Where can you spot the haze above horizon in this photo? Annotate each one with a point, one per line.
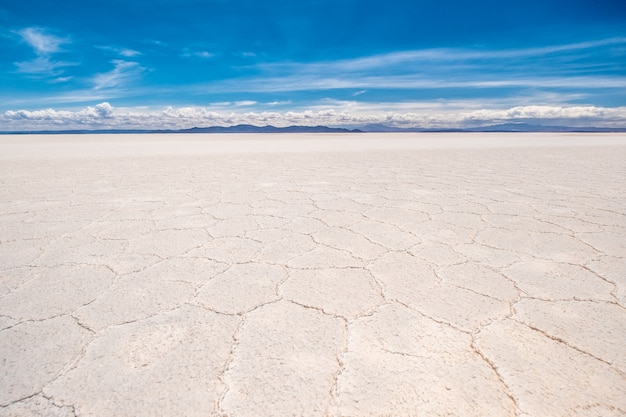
(186, 63)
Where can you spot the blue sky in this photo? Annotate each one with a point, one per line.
(184, 63)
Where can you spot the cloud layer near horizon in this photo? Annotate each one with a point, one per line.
(105, 116)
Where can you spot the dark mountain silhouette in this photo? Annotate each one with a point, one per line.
(373, 128)
(524, 127)
(505, 127)
(381, 128)
(267, 129)
(211, 129)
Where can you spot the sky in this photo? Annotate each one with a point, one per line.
(168, 64)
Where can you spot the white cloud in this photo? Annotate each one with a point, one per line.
(104, 116)
(436, 56)
(62, 79)
(122, 73)
(125, 52)
(104, 109)
(44, 45)
(129, 53)
(279, 103)
(556, 66)
(42, 42)
(431, 81)
(187, 53)
(204, 54)
(50, 118)
(42, 65)
(155, 42)
(245, 103)
(578, 114)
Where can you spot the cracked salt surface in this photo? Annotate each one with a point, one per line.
(257, 276)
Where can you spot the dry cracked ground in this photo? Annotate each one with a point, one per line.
(465, 282)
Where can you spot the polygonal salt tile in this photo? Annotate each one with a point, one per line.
(437, 254)
(134, 297)
(556, 280)
(325, 257)
(490, 256)
(595, 327)
(336, 218)
(19, 253)
(34, 352)
(398, 216)
(169, 364)
(400, 273)
(241, 288)
(557, 247)
(354, 243)
(403, 364)
(57, 290)
(284, 362)
(479, 278)
(612, 244)
(343, 292)
(37, 406)
(166, 243)
(228, 250)
(233, 226)
(283, 250)
(386, 235)
(544, 375)
(613, 270)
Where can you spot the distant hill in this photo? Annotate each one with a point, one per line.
(267, 129)
(379, 127)
(505, 127)
(524, 127)
(373, 128)
(212, 129)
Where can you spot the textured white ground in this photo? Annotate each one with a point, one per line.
(313, 275)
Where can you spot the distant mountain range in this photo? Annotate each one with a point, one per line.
(211, 129)
(506, 127)
(267, 129)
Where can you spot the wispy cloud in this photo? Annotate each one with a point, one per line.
(123, 73)
(41, 41)
(245, 103)
(129, 53)
(125, 52)
(277, 103)
(557, 66)
(155, 42)
(44, 44)
(204, 54)
(388, 61)
(188, 53)
(42, 65)
(62, 79)
(300, 82)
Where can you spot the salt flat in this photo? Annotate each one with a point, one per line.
(313, 275)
